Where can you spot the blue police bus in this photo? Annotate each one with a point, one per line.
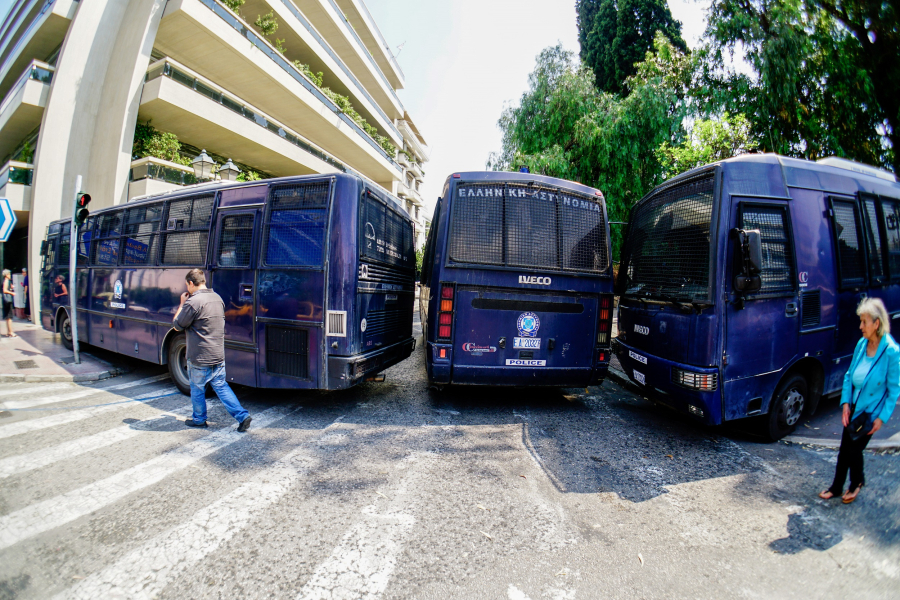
(317, 274)
(739, 284)
(516, 285)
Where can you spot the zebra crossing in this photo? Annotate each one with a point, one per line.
(144, 571)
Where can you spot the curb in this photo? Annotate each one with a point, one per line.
(888, 444)
(623, 380)
(75, 378)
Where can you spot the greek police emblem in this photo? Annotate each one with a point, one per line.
(528, 324)
(117, 289)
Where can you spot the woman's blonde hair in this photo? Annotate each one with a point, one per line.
(7, 273)
(874, 307)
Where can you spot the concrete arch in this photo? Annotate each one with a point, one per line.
(91, 112)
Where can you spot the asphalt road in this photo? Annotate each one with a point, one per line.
(390, 490)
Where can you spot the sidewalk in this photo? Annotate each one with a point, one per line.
(38, 355)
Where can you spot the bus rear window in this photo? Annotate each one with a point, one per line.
(296, 217)
(513, 225)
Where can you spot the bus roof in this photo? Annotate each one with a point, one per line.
(772, 174)
(215, 186)
(486, 176)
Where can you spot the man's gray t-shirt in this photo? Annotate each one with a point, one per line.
(203, 320)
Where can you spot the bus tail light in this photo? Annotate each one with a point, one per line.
(604, 322)
(704, 382)
(445, 315)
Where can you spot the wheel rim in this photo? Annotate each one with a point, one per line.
(182, 364)
(792, 407)
(67, 329)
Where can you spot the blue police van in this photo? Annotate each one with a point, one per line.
(739, 283)
(516, 285)
(317, 273)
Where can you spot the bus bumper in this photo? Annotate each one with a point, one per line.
(656, 377)
(347, 371)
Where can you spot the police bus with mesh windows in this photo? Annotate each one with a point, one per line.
(516, 284)
(739, 284)
(317, 274)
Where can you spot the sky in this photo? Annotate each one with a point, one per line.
(465, 60)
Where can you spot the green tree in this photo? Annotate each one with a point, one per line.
(812, 93)
(564, 127)
(616, 34)
(267, 23)
(149, 141)
(710, 140)
(234, 5)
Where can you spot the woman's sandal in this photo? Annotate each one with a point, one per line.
(847, 498)
(829, 496)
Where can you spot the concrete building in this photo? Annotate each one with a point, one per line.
(280, 87)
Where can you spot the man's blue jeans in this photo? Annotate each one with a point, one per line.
(214, 375)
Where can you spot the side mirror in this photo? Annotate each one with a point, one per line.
(44, 247)
(749, 252)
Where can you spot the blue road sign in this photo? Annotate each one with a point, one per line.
(7, 219)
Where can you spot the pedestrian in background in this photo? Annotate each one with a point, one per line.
(8, 302)
(871, 388)
(25, 291)
(201, 315)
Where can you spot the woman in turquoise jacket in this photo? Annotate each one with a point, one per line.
(871, 386)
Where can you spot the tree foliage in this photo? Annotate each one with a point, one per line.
(149, 141)
(815, 91)
(616, 34)
(564, 127)
(710, 140)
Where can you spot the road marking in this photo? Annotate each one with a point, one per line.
(11, 429)
(515, 593)
(81, 393)
(16, 465)
(55, 512)
(362, 565)
(47, 387)
(145, 572)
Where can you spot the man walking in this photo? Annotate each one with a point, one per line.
(201, 315)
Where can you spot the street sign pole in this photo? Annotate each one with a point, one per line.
(73, 276)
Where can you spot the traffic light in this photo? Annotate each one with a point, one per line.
(81, 211)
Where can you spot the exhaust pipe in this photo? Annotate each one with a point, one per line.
(376, 378)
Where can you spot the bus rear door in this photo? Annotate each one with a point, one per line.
(515, 329)
(234, 279)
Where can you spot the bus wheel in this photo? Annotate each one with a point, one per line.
(788, 403)
(178, 365)
(65, 331)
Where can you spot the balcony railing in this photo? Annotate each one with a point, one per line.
(154, 168)
(167, 68)
(367, 54)
(263, 45)
(37, 71)
(36, 22)
(16, 172)
(325, 46)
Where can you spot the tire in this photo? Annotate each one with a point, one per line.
(178, 364)
(788, 405)
(65, 331)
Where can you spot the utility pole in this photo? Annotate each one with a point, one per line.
(73, 276)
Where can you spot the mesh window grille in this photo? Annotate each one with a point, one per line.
(777, 270)
(105, 239)
(668, 246)
(386, 236)
(62, 250)
(850, 252)
(516, 225)
(186, 231)
(873, 237)
(140, 241)
(891, 216)
(235, 241)
(296, 217)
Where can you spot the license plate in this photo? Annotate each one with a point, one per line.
(527, 343)
(518, 362)
(639, 377)
(637, 357)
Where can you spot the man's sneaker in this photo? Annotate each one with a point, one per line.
(245, 424)
(192, 423)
